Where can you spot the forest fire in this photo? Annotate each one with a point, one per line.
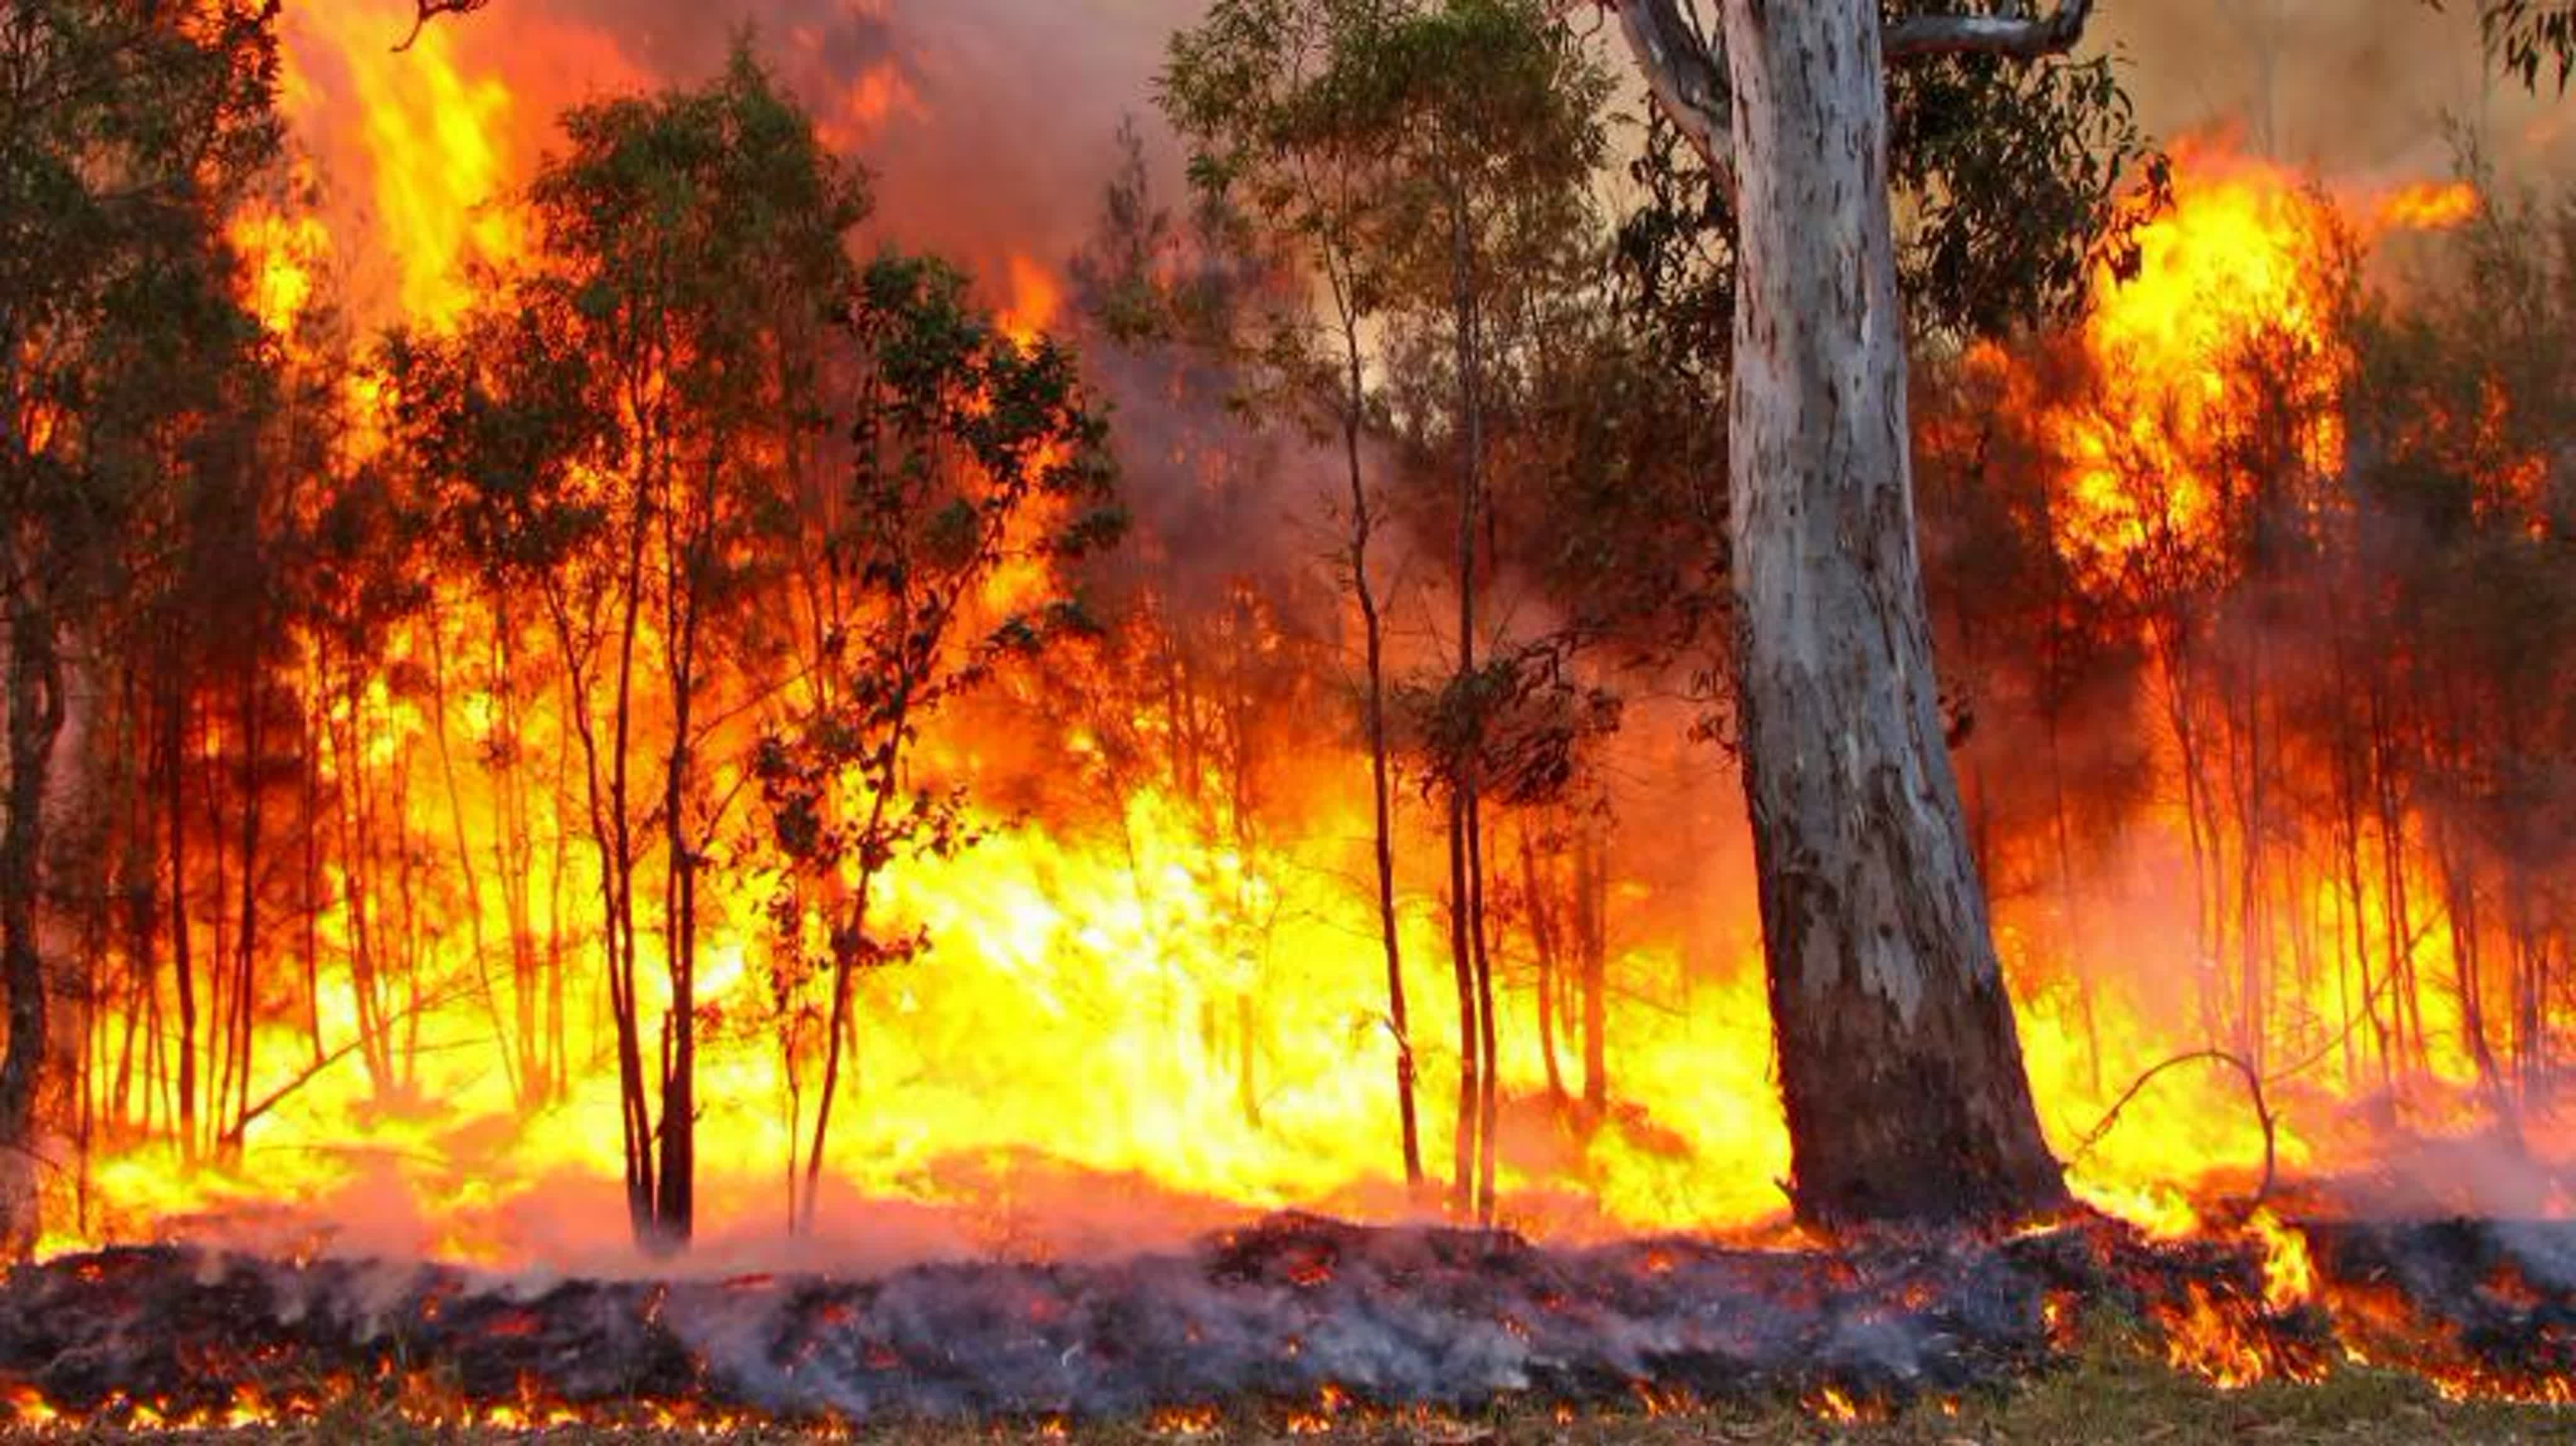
(547, 783)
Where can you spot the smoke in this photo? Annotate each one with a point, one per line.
(1292, 1310)
(2357, 93)
(988, 124)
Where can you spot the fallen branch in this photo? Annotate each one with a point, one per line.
(2253, 1089)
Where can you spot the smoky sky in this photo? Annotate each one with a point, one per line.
(2368, 91)
(1001, 131)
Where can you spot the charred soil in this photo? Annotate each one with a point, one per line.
(1300, 1325)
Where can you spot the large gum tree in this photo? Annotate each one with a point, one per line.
(1900, 1068)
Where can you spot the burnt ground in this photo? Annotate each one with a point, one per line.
(1297, 1322)
(2115, 1392)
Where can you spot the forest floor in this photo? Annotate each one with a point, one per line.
(2111, 1393)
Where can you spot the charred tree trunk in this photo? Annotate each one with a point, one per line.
(675, 1205)
(1480, 1096)
(35, 710)
(1545, 948)
(174, 763)
(1381, 782)
(1592, 900)
(1462, 969)
(1900, 1068)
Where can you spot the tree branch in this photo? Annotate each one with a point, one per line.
(1686, 69)
(2019, 35)
(428, 10)
(2253, 1088)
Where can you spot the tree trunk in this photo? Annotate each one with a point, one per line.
(1382, 789)
(183, 966)
(1592, 906)
(1900, 1069)
(35, 711)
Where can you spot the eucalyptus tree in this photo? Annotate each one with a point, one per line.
(688, 243)
(975, 453)
(1488, 227)
(1900, 1067)
(1431, 163)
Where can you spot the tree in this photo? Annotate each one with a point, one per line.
(498, 425)
(125, 132)
(1242, 646)
(1900, 1067)
(690, 244)
(2523, 35)
(1431, 162)
(974, 454)
(1496, 116)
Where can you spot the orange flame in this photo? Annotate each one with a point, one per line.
(2429, 206)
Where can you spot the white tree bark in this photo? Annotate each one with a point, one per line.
(1900, 1069)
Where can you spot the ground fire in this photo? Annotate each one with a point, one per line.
(677, 812)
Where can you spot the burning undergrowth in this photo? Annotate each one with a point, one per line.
(1297, 1310)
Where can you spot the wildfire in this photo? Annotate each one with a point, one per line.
(287, 250)
(1154, 985)
(436, 139)
(2289, 1271)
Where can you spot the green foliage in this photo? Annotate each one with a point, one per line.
(502, 418)
(1621, 504)
(975, 453)
(2012, 182)
(2523, 36)
(125, 135)
(1520, 725)
(691, 254)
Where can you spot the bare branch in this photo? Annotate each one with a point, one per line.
(2263, 1114)
(2019, 35)
(1686, 69)
(428, 10)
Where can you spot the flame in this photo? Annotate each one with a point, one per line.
(2429, 206)
(1835, 1405)
(2237, 260)
(1190, 1421)
(2289, 1270)
(286, 250)
(1036, 300)
(436, 137)
(25, 1406)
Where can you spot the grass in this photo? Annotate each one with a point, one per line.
(2112, 1391)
